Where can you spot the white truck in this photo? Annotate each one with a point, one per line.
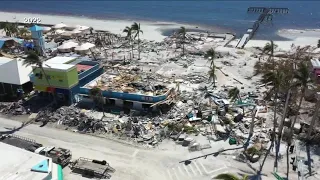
(58, 155)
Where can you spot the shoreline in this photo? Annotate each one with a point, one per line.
(151, 30)
(156, 31)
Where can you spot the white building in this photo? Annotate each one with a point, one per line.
(20, 164)
(13, 77)
(12, 71)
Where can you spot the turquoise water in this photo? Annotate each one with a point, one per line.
(229, 15)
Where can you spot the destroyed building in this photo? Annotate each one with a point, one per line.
(66, 75)
(130, 89)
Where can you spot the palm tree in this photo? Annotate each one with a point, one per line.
(276, 77)
(229, 176)
(234, 94)
(3, 25)
(268, 49)
(302, 78)
(33, 60)
(91, 30)
(314, 118)
(212, 75)
(135, 27)
(6, 26)
(23, 33)
(11, 29)
(182, 35)
(211, 55)
(96, 95)
(128, 30)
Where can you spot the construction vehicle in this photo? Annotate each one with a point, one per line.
(59, 156)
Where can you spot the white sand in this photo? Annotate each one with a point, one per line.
(151, 30)
(297, 37)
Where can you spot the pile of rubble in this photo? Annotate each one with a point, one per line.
(71, 117)
(13, 108)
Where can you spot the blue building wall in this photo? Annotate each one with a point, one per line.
(88, 72)
(128, 96)
(94, 73)
(89, 77)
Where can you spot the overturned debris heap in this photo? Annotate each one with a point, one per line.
(71, 117)
(13, 108)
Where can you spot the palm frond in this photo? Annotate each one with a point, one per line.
(32, 59)
(96, 94)
(233, 93)
(302, 74)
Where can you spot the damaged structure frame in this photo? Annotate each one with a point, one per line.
(129, 100)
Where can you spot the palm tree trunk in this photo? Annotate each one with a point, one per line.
(139, 45)
(102, 102)
(280, 130)
(291, 131)
(183, 47)
(45, 75)
(214, 77)
(273, 135)
(132, 43)
(267, 154)
(314, 118)
(296, 117)
(251, 129)
(288, 164)
(94, 57)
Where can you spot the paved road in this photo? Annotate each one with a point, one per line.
(130, 163)
(161, 163)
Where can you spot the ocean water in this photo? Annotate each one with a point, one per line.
(230, 16)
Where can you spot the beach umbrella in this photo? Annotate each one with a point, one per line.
(66, 33)
(59, 26)
(45, 28)
(59, 31)
(81, 28)
(68, 45)
(75, 31)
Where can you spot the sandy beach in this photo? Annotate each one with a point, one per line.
(151, 30)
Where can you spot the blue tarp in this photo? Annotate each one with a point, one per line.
(29, 45)
(3, 40)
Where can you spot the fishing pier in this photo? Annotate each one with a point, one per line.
(265, 15)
